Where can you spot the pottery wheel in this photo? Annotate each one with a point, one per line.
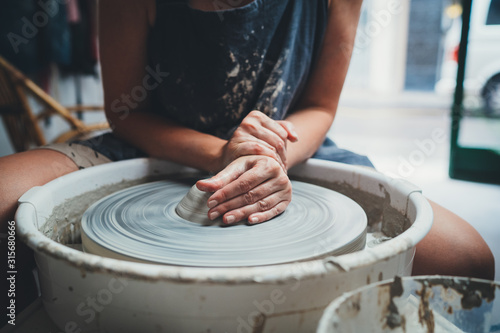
(140, 223)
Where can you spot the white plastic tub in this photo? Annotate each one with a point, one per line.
(92, 293)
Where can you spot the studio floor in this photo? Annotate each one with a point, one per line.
(408, 137)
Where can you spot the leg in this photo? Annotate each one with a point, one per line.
(18, 173)
(453, 247)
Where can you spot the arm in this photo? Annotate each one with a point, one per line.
(123, 32)
(123, 29)
(318, 104)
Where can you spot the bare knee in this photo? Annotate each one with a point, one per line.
(20, 172)
(453, 247)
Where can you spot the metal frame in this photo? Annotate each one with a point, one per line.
(474, 164)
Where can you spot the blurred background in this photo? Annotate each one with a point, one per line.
(398, 106)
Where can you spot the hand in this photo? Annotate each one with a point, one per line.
(259, 135)
(253, 187)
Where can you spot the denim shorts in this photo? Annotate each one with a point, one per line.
(330, 152)
(108, 148)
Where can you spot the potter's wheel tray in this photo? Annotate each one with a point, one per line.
(140, 223)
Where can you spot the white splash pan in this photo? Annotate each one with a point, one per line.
(94, 294)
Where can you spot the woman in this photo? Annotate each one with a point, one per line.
(239, 88)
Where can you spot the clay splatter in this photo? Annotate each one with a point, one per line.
(394, 318)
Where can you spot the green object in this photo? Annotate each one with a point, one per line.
(474, 164)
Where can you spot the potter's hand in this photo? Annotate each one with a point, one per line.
(252, 187)
(259, 135)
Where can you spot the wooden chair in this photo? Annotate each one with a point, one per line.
(22, 124)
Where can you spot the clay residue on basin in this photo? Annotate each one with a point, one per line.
(382, 217)
(64, 224)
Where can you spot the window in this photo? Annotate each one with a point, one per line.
(493, 17)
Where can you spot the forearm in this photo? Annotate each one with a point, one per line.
(318, 104)
(328, 76)
(311, 125)
(160, 138)
(124, 27)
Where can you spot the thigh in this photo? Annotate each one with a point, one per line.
(19, 172)
(453, 247)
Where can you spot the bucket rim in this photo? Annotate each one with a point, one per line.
(329, 312)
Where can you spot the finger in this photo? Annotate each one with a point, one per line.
(260, 211)
(269, 214)
(255, 174)
(290, 128)
(256, 194)
(270, 124)
(243, 143)
(274, 140)
(224, 177)
(266, 129)
(259, 147)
